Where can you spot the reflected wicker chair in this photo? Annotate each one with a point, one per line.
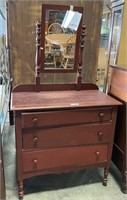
(50, 60)
(55, 28)
(54, 50)
(68, 53)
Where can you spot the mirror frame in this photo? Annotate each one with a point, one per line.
(42, 39)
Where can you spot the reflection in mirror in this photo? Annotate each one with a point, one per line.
(59, 44)
(116, 33)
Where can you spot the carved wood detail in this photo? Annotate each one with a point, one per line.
(37, 59)
(79, 71)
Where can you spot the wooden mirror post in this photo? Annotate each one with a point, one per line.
(37, 58)
(79, 71)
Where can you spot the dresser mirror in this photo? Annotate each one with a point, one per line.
(59, 46)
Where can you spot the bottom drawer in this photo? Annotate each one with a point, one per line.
(60, 157)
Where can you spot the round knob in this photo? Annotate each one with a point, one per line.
(35, 162)
(101, 115)
(100, 133)
(35, 121)
(97, 154)
(35, 140)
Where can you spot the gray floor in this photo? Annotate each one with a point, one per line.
(83, 185)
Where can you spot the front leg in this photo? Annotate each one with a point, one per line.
(105, 176)
(20, 187)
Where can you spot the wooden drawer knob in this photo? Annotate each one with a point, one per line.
(35, 141)
(35, 121)
(101, 115)
(35, 162)
(97, 154)
(100, 133)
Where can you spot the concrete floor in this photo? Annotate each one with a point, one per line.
(83, 185)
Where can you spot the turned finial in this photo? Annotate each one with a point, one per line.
(37, 59)
(38, 39)
(79, 72)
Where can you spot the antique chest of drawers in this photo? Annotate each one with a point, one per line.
(62, 131)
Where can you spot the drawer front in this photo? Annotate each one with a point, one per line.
(66, 136)
(54, 118)
(63, 157)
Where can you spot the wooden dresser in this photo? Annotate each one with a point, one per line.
(62, 131)
(118, 89)
(65, 126)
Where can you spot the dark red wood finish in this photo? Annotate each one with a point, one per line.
(118, 89)
(61, 131)
(62, 127)
(62, 157)
(66, 136)
(68, 117)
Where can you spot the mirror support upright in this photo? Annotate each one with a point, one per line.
(79, 71)
(37, 58)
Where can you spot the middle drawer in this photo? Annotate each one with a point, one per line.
(43, 138)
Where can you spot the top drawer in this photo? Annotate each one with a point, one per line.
(53, 118)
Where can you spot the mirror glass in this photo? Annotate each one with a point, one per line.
(59, 46)
(115, 34)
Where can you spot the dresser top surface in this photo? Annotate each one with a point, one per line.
(60, 99)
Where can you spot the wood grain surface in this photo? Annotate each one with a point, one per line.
(59, 99)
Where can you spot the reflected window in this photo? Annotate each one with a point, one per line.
(116, 32)
(105, 30)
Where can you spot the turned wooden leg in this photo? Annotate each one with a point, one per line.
(21, 192)
(105, 177)
(124, 182)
